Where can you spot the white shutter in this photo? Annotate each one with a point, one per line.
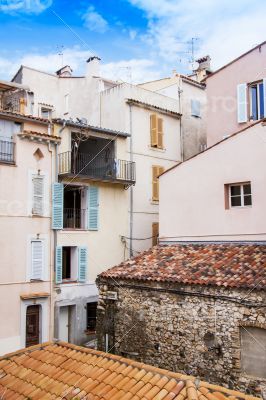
(242, 103)
(37, 194)
(264, 97)
(37, 260)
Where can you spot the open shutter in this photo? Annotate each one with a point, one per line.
(82, 263)
(37, 194)
(160, 133)
(58, 264)
(155, 233)
(93, 208)
(242, 103)
(57, 211)
(264, 97)
(154, 130)
(155, 183)
(37, 260)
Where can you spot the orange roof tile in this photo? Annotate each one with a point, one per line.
(227, 265)
(99, 376)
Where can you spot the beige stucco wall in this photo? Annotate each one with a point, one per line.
(195, 208)
(17, 228)
(222, 93)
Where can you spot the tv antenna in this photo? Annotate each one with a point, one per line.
(60, 50)
(190, 51)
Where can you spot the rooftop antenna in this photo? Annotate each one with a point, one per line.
(60, 49)
(189, 52)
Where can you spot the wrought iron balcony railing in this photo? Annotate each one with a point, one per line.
(100, 168)
(74, 218)
(7, 151)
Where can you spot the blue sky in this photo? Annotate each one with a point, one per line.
(137, 40)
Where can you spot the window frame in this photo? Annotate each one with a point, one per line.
(195, 104)
(48, 110)
(74, 264)
(258, 100)
(242, 195)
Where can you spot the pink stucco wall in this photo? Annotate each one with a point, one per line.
(195, 210)
(222, 93)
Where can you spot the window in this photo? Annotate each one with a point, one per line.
(37, 194)
(46, 113)
(240, 195)
(37, 260)
(156, 130)
(71, 264)
(91, 316)
(195, 108)
(155, 233)
(253, 351)
(256, 99)
(156, 171)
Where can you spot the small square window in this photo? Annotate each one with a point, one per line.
(240, 195)
(46, 113)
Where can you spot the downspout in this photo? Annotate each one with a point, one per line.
(131, 187)
(180, 123)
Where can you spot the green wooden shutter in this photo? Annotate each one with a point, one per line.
(58, 264)
(57, 207)
(93, 208)
(82, 263)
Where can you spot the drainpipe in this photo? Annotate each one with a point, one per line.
(131, 187)
(180, 124)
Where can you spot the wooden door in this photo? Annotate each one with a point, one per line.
(32, 325)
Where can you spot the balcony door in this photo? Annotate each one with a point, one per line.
(33, 325)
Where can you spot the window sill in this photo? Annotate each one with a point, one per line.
(155, 202)
(157, 149)
(75, 229)
(9, 163)
(239, 208)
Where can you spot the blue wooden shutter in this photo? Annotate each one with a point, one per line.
(82, 263)
(57, 211)
(58, 264)
(93, 208)
(264, 97)
(242, 103)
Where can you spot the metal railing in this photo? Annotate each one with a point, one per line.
(74, 218)
(100, 168)
(7, 151)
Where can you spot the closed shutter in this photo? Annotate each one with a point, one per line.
(264, 98)
(37, 260)
(155, 184)
(93, 208)
(58, 264)
(155, 233)
(154, 130)
(160, 133)
(37, 194)
(82, 263)
(57, 207)
(242, 103)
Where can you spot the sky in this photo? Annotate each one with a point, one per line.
(137, 40)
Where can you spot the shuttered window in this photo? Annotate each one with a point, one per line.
(93, 208)
(58, 264)
(155, 233)
(156, 131)
(57, 206)
(37, 259)
(82, 263)
(156, 171)
(37, 194)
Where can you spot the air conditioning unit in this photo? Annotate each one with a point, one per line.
(111, 295)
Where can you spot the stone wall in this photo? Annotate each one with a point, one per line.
(189, 329)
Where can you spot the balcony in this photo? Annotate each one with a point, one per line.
(7, 151)
(96, 168)
(74, 218)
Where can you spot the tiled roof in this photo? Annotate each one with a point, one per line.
(24, 116)
(26, 133)
(64, 371)
(229, 265)
(152, 106)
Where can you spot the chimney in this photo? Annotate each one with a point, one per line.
(64, 72)
(204, 67)
(93, 66)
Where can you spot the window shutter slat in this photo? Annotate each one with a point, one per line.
(160, 133)
(242, 103)
(58, 264)
(82, 263)
(154, 130)
(57, 207)
(37, 260)
(37, 191)
(93, 208)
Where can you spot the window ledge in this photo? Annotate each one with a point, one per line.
(155, 202)
(10, 164)
(157, 149)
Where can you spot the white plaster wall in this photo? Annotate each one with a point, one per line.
(195, 208)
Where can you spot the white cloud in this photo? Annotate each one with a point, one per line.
(226, 28)
(24, 6)
(94, 21)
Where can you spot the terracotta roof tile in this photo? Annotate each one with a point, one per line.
(31, 373)
(228, 265)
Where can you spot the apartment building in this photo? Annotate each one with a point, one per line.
(27, 148)
(236, 94)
